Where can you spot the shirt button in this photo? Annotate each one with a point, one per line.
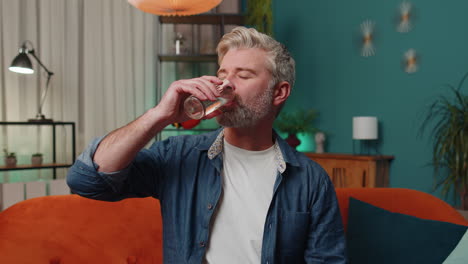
(269, 226)
(202, 244)
(210, 206)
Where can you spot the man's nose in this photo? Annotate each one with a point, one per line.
(229, 85)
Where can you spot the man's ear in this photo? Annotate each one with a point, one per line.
(281, 93)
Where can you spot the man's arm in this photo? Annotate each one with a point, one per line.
(103, 170)
(119, 148)
(326, 241)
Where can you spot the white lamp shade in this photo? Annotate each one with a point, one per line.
(365, 127)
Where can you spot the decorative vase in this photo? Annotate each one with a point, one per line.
(319, 142)
(36, 160)
(10, 161)
(293, 141)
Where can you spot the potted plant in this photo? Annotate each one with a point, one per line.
(10, 158)
(36, 159)
(299, 121)
(448, 121)
(260, 15)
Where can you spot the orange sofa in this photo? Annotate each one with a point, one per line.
(70, 229)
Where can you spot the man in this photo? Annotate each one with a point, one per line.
(236, 195)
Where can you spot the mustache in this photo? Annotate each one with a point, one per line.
(238, 103)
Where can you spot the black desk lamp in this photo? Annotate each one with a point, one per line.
(22, 64)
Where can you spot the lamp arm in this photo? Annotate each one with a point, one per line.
(31, 51)
(49, 75)
(44, 93)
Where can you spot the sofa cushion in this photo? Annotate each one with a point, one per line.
(69, 229)
(376, 235)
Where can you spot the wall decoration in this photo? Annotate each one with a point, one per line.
(410, 62)
(367, 31)
(405, 17)
(179, 41)
(320, 142)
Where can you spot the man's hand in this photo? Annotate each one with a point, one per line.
(170, 108)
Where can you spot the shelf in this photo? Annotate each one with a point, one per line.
(30, 166)
(188, 130)
(213, 19)
(36, 123)
(189, 58)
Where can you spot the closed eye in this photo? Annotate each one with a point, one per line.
(245, 75)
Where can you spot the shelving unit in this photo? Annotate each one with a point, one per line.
(218, 22)
(213, 19)
(171, 131)
(30, 167)
(188, 58)
(194, 129)
(54, 165)
(199, 57)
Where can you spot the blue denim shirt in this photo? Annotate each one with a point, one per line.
(303, 223)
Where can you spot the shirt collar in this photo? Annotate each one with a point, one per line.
(218, 145)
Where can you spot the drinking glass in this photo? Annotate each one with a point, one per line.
(197, 109)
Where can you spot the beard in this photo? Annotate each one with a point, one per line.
(247, 114)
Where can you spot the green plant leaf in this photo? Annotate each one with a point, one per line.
(297, 122)
(260, 15)
(447, 120)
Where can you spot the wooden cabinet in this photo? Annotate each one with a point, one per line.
(347, 170)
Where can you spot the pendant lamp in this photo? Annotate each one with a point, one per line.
(174, 7)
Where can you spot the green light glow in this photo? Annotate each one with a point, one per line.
(307, 142)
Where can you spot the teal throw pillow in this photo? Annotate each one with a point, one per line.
(376, 235)
(460, 254)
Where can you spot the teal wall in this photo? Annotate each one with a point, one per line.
(340, 84)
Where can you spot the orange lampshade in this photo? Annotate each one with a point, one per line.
(174, 7)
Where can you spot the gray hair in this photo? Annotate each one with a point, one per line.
(279, 61)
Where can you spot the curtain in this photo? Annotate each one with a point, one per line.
(103, 55)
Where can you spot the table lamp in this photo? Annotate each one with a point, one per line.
(22, 64)
(365, 129)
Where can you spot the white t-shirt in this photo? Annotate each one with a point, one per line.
(248, 179)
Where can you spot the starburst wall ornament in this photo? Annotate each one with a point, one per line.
(367, 30)
(410, 61)
(405, 23)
